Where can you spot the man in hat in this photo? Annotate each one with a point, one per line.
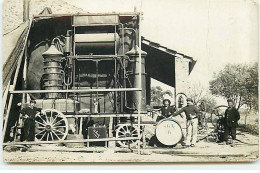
(167, 110)
(192, 114)
(202, 116)
(230, 121)
(29, 120)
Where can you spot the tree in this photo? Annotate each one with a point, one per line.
(199, 93)
(252, 86)
(237, 82)
(157, 94)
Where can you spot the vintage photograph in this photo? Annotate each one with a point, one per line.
(131, 81)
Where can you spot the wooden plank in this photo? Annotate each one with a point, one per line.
(70, 141)
(4, 99)
(106, 116)
(66, 149)
(11, 97)
(11, 62)
(96, 56)
(15, 80)
(85, 14)
(76, 91)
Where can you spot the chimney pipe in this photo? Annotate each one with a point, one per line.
(26, 10)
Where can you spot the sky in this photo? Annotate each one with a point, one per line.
(213, 32)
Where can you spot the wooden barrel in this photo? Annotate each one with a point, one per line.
(168, 132)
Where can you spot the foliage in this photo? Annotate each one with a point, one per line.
(199, 93)
(157, 94)
(239, 83)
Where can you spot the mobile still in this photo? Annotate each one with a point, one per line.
(142, 81)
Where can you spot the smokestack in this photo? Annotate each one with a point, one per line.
(26, 10)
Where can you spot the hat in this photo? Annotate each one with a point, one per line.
(230, 100)
(167, 100)
(189, 99)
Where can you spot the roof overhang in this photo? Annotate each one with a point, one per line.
(160, 62)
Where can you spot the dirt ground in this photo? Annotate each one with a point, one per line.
(205, 151)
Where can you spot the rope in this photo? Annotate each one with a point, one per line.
(12, 29)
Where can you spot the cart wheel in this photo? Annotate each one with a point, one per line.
(216, 113)
(124, 131)
(50, 125)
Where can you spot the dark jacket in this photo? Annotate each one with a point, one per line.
(189, 111)
(231, 117)
(166, 112)
(31, 112)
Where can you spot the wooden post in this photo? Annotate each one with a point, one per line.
(80, 126)
(24, 75)
(140, 85)
(144, 140)
(14, 83)
(26, 10)
(11, 97)
(111, 144)
(5, 97)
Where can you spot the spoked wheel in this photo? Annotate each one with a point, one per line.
(217, 113)
(50, 125)
(124, 131)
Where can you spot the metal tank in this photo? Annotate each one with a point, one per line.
(53, 74)
(133, 75)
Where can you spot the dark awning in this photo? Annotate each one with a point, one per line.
(160, 62)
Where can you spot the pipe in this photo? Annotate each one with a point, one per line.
(76, 90)
(67, 48)
(123, 35)
(26, 4)
(131, 29)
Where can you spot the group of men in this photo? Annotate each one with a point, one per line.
(192, 113)
(192, 118)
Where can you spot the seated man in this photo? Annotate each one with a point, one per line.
(166, 110)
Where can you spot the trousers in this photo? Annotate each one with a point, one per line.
(191, 132)
(29, 130)
(229, 131)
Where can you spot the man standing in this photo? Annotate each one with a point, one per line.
(202, 116)
(29, 122)
(230, 121)
(192, 114)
